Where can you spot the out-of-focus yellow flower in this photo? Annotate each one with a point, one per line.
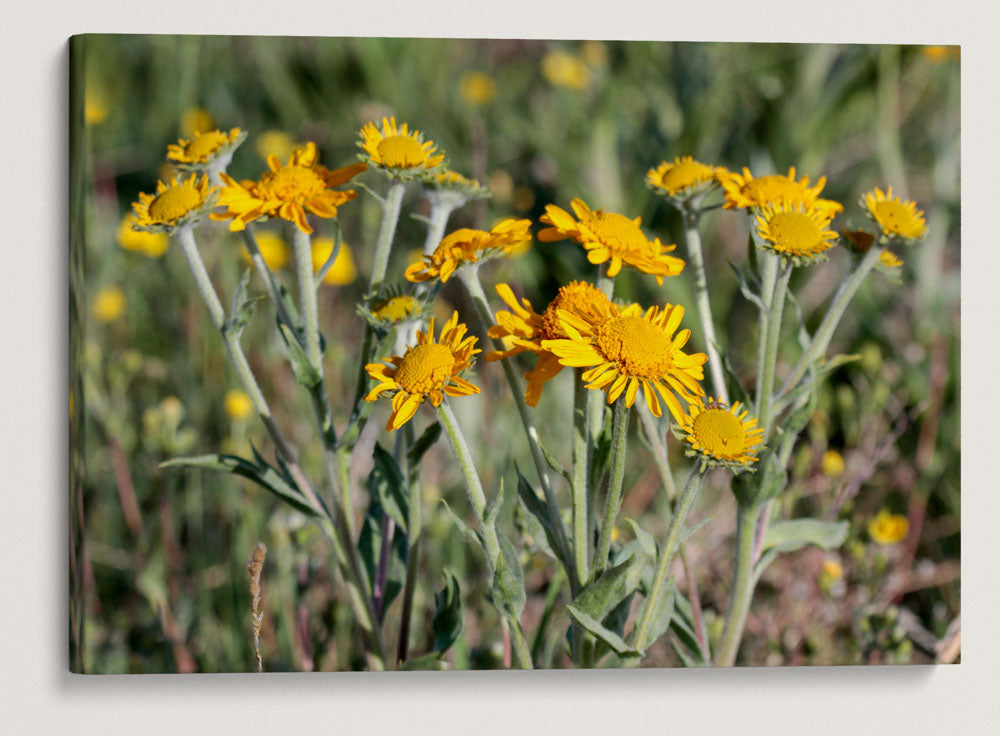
(524, 199)
(887, 528)
(832, 569)
(238, 405)
(890, 259)
(172, 410)
(595, 53)
(832, 463)
(153, 245)
(94, 108)
(196, 120)
(477, 88)
(109, 304)
(564, 69)
(501, 185)
(174, 204)
(205, 148)
(465, 245)
(273, 249)
(940, 54)
(275, 143)
(343, 271)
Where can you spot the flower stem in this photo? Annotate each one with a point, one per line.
(613, 498)
(470, 279)
(386, 233)
(581, 464)
(771, 348)
(413, 523)
(667, 552)
(307, 296)
(768, 279)
(266, 275)
(692, 238)
(821, 340)
(742, 589)
(441, 210)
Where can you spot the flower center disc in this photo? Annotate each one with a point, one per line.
(684, 175)
(616, 231)
(174, 204)
(719, 432)
(205, 145)
(894, 217)
(772, 188)
(291, 184)
(639, 348)
(425, 368)
(401, 152)
(794, 232)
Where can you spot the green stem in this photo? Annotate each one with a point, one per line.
(692, 238)
(613, 497)
(440, 212)
(386, 233)
(414, 522)
(470, 279)
(519, 646)
(742, 589)
(307, 296)
(768, 278)
(659, 449)
(824, 333)
(667, 552)
(266, 275)
(581, 463)
(771, 349)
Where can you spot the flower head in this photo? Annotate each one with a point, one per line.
(287, 191)
(466, 246)
(109, 304)
(342, 271)
(273, 249)
(832, 463)
(275, 143)
(524, 329)
(744, 191)
(625, 348)
(448, 180)
(174, 204)
(238, 405)
(897, 218)
(888, 528)
(153, 245)
(564, 69)
(212, 147)
(795, 232)
(392, 309)
(397, 151)
(860, 241)
(610, 238)
(477, 88)
(684, 178)
(428, 370)
(721, 435)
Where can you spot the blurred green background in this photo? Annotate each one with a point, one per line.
(159, 580)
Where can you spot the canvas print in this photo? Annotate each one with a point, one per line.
(424, 354)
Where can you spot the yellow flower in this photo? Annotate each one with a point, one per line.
(153, 245)
(174, 205)
(743, 191)
(896, 217)
(610, 238)
(343, 271)
(287, 191)
(205, 148)
(452, 181)
(477, 88)
(109, 304)
(594, 53)
(196, 120)
(795, 232)
(887, 528)
(428, 370)
(396, 308)
(624, 348)
(273, 249)
(238, 405)
(398, 151)
(684, 177)
(466, 245)
(940, 54)
(94, 108)
(564, 69)
(275, 143)
(723, 436)
(523, 329)
(832, 569)
(832, 463)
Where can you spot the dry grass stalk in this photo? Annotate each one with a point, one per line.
(255, 566)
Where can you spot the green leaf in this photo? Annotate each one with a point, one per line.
(305, 373)
(644, 538)
(601, 595)
(733, 382)
(745, 288)
(598, 629)
(494, 507)
(554, 465)
(429, 661)
(788, 536)
(540, 511)
(684, 639)
(662, 615)
(528, 524)
(370, 549)
(423, 443)
(508, 580)
(801, 334)
(387, 485)
(260, 473)
(447, 622)
(467, 532)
